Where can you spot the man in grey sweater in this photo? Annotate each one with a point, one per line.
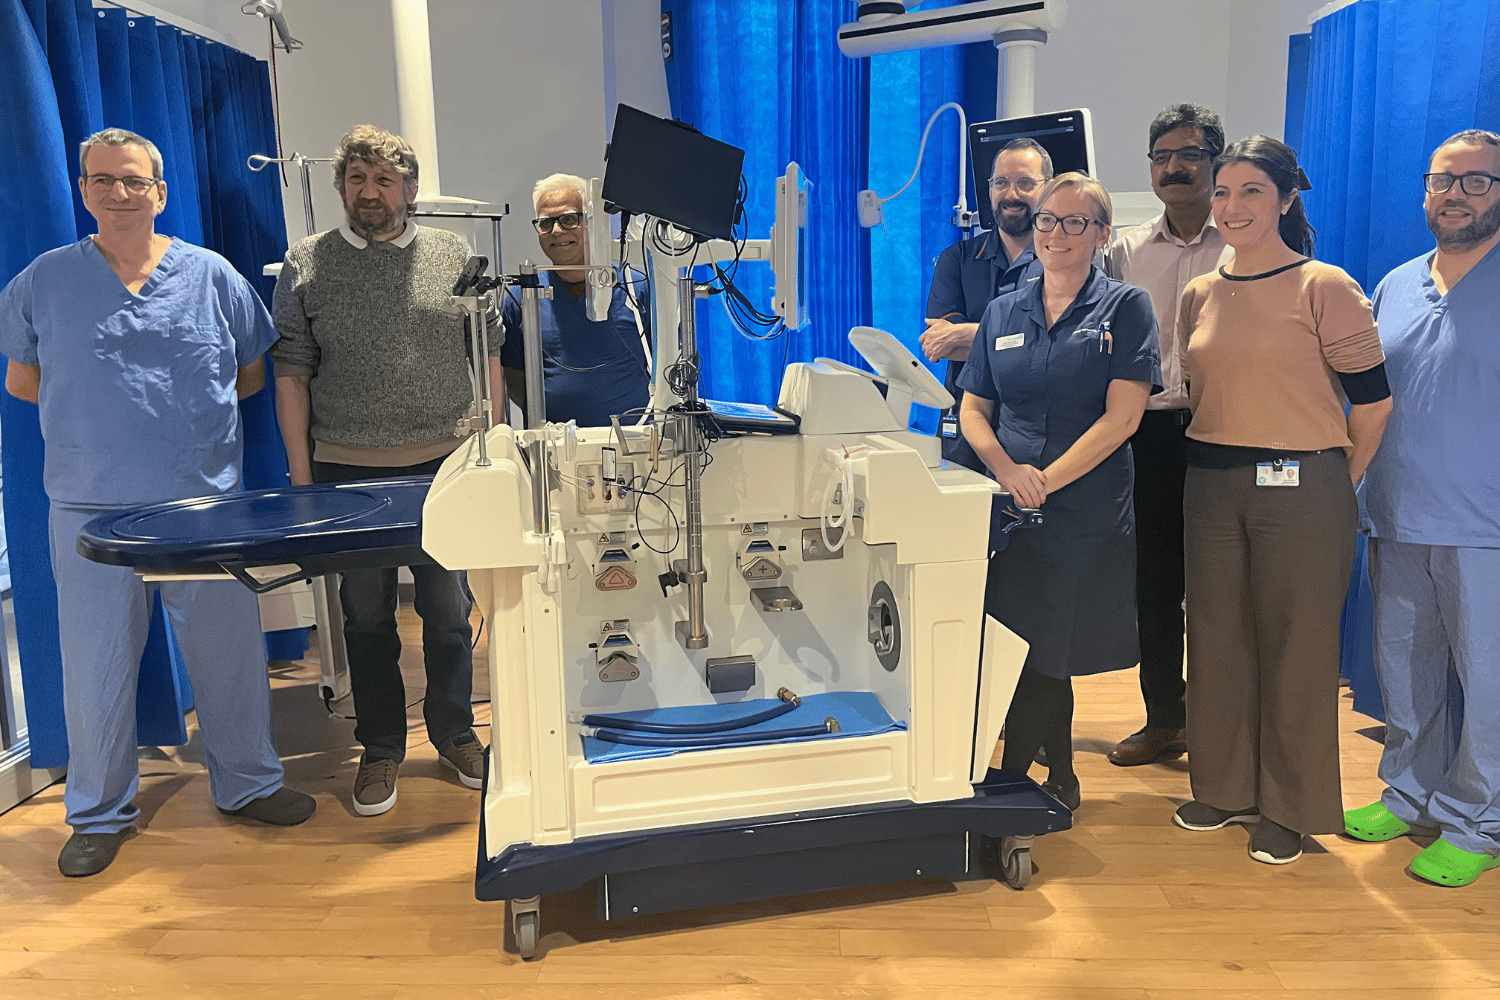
(371, 380)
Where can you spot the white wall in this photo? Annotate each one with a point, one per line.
(526, 87)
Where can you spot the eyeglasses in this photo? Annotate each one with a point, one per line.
(1073, 225)
(1187, 154)
(1023, 184)
(568, 220)
(105, 183)
(1474, 182)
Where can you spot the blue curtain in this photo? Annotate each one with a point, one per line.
(69, 71)
(767, 76)
(1370, 93)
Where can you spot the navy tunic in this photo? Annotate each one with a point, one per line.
(1067, 587)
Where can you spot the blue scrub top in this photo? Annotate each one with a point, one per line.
(138, 401)
(1049, 386)
(1436, 478)
(593, 371)
(967, 277)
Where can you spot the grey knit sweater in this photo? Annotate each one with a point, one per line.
(388, 366)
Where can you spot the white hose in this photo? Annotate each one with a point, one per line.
(843, 475)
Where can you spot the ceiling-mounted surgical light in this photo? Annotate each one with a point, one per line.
(272, 9)
(886, 26)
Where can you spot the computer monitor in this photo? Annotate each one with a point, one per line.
(1067, 136)
(671, 171)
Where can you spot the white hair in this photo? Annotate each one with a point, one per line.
(555, 181)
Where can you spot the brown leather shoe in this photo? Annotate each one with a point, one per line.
(1148, 746)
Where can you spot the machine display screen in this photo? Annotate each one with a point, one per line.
(1067, 136)
(672, 172)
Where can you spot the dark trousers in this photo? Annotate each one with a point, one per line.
(1040, 717)
(369, 601)
(1160, 450)
(1267, 571)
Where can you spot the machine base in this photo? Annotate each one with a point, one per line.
(679, 868)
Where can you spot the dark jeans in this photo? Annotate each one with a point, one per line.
(369, 602)
(1159, 446)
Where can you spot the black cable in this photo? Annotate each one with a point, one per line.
(686, 728)
(722, 739)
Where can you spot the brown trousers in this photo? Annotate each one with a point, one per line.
(1267, 571)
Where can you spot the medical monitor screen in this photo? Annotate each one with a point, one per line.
(1067, 136)
(668, 171)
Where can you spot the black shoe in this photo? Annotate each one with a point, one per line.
(89, 853)
(1070, 795)
(1198, 817)
(282, 807)
(1274, 844)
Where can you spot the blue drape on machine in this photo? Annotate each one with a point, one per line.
(767, 76)
(71, 70)
(1385, 83)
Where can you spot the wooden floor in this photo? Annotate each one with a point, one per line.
(1123, 907)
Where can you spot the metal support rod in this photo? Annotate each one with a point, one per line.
(486, 402)
(695, 636)
(307, 205)
(536, 399)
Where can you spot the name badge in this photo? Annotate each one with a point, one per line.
(1006, 343)
(1277, 473)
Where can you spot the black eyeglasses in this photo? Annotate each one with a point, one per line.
(1187, 154)
(1475, 182)
(568, 220)
(1073, 225)
(105, 183)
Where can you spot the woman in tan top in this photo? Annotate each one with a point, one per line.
(1276, 343)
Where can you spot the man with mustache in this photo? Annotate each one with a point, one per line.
(972, 272)
(1432, 510)
(372, 376)
(1162, 256)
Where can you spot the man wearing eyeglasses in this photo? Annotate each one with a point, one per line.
(1432, 511)
(972, 272)
(1162, 256)
(137, 347)
(593, 370)
(372, 376)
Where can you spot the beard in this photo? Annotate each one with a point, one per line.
(370, 218)
(1018, 225)
(1481, 228)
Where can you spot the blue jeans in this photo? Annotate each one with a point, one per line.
(369, 602)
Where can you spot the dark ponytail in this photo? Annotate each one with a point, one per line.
(1278, 162)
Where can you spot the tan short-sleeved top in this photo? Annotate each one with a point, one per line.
(1261, 356)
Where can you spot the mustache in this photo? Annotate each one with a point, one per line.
(1179, 178)
(1013, 203)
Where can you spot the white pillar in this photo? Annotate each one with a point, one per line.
(1015, 84)
(415, 118)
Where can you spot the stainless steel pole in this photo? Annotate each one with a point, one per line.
(693, 633)
(536, 400)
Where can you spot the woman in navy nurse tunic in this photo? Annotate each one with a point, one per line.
(1056, 383)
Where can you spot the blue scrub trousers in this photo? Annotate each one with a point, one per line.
(1436, 611)
(104, 615)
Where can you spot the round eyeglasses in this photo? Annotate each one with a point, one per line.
(1187, 154)
(1475, 182)
(1023, 184)
(1073, 225)
(568, 220)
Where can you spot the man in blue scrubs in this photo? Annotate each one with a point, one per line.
(972, 272)
(138, 347)
(593, 370)
(1432, 509)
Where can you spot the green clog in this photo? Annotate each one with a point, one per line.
(1374, 823)
(1445, 864)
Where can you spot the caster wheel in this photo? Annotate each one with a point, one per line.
(1018, 869)
(526, 926)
